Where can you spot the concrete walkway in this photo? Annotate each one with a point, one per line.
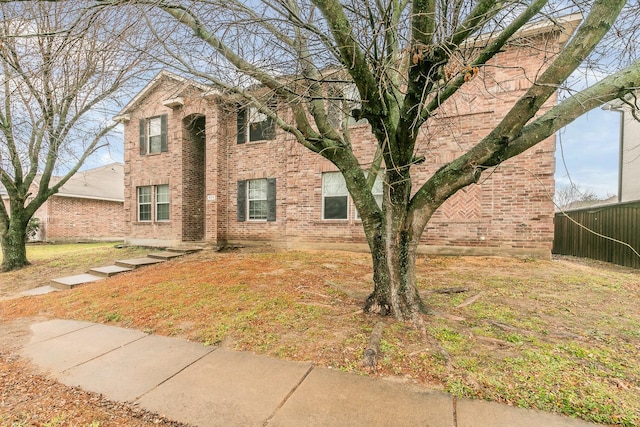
(209, 386)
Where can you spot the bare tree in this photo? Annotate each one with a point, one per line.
(568, 196)
(62, 66)
(408, 61)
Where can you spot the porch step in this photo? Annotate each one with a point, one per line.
(185, 249)
(109, 270)
(40, 290)
(71, 282)
(138, 262)
(121, 266)
(165, 255)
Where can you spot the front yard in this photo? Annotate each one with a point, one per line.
(561, 336)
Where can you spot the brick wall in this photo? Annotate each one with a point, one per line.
(71, 219)
(188, 166)
(508, 211)
(193, 178)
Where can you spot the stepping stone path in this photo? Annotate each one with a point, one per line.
(120, 266)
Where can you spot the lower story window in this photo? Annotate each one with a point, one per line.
(150, 197)
(334, 196)
(144, 203)
(257, 200)
(377, 191)
(162, 203)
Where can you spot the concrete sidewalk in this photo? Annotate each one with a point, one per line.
(209, 386)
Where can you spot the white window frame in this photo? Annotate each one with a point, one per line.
(145, 203)
(377, 190)
(257, 118)
(255, 196)
(159, 202)
(339, 190)
(154, 124)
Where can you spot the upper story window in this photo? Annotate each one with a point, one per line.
(257, 200)
(344, 100)
(254, 126)
(153, 135)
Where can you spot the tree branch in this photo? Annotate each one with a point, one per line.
(352, 56)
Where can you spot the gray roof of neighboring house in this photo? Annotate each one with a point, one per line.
(101, 183)
(584, 204)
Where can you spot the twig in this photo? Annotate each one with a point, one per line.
(470, 301)
(454, 290)
(371, 352)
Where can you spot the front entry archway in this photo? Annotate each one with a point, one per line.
(193, 178)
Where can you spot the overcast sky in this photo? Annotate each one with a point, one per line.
(590, 149)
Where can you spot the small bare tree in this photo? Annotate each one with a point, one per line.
(401, 65)
(62, 66)
(567, 196)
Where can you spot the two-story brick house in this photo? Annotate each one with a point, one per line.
(198, 169)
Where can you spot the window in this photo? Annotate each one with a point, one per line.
(254, 125)
(377, 191)
(162, 203)
(257, 200)
(153, 135)
(344, 102)
(144, 203)
(334, 196)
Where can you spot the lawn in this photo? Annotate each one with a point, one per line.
(50, 261)
(561, 336)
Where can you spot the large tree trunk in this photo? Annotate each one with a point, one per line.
(14, 246)
(393, 252)
(394, 277)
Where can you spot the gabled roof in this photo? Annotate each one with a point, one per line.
(101, 183)
(183, 84)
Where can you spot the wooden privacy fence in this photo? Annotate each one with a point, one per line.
(620, 222)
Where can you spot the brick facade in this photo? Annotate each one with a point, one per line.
(509, 212)
(88, 207)
(77, 219)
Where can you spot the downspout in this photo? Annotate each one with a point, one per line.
(618, 109)
(620, 156)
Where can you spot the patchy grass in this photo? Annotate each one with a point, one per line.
(561, 336)
(49, 261)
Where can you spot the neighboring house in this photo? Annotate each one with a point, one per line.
(582, 204)
(629, 166)
(199, 169)
(88, 207)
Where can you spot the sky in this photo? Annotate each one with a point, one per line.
(588, 153)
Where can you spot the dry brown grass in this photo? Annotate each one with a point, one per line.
(561, 335)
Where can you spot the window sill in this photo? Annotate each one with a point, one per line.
(153, 222)
(333, 222)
